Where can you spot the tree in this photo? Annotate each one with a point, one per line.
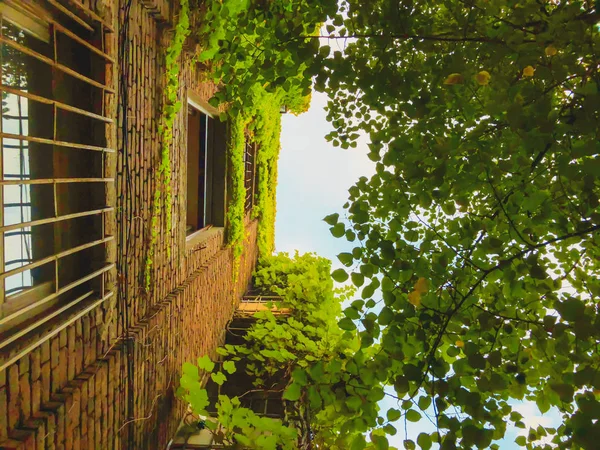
(480, 229)
(481, 226)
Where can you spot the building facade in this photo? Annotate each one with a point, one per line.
(90, 349)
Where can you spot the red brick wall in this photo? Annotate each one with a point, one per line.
(106, 380)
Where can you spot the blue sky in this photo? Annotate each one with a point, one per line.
(314, 178)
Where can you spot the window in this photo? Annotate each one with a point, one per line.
(206, 150)
(53, 165)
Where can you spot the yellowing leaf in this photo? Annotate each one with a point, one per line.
(415, 299)
(454, 78)
(550, 50)
(528, 71)
(483, 78)
(460, 344)
(421, 286)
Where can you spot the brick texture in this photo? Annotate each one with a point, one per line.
(107, 380)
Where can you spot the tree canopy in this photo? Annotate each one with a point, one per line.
(481, 226)
(477, 240)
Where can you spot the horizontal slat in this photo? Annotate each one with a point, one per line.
(83, 42)
(75, 74)
(67, 288)
(59, 143)
(45, 318)
(56, 257)
(17, 205)
(57, 65)
(75, 17)
(17, 233)
(57, 181)
(55, 219)
(58, 104)
(4, 364)
(87, 11)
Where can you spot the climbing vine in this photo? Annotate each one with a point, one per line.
(234, 36)
(321, 389)
(171, 108)
(235, 208)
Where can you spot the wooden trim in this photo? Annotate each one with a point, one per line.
(56, 294)
(55, 219)
(254, 307)
(29, 21)
(54, 332)
(197, 102)
(45, 318)
(57, 181)
(87, 11)
(55, 257)
(73, 16)
(20, 137)
(27, 296)
(197, 237)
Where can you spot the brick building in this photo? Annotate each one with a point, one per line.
(89, 358)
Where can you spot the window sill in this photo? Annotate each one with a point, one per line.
(198, 237)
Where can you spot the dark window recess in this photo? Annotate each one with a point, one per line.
(206, 149)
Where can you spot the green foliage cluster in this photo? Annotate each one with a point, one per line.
(260, 123)
(171, 107)
(237, 191)
(266, 131)
(245, 44)
(237, 37)
(328, 404)
(228, 25)
(481, 226)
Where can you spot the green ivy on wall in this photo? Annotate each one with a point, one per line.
(321, 389)
(171, 108)
(230, 33)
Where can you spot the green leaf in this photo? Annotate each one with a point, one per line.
(353, 403)
(424, 402)
(229, 367)
(424, 441)
(409, 445)
(386, 316)
(346, 259)
(331, 219)
(205, 363)
(381, 442)
(190, 370)
(338, 230)
(339, 275)
(359, 443)
(358, 279)
(292, 392)
(521, 440)
(218, 378)
(390, 429)
(393, 414)
(413, 415)
(347, 324)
